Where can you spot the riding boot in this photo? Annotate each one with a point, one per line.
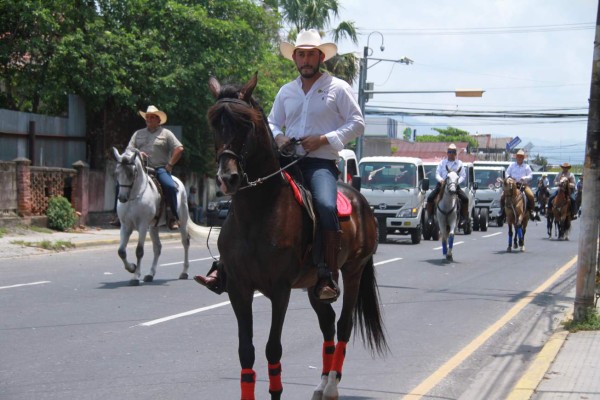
(430, 212)
(215, 279)
(172, 222)
(464, 214)
(327, 289)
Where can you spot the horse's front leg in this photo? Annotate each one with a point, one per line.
(241, 301)
(450, 246)
(156, 250)
(326, 317)
(279, 305)
(125, 234)
(510, 238)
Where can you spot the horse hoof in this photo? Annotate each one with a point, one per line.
(509, 249)
(148, 278)
(131, 268)
(523, 249)
(183, 275)
(134, 282)
(449, 258)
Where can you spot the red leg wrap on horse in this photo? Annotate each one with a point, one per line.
(338, 358)
(247, 383)
(275, 378)
(328, 351)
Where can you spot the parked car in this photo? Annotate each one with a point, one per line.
(217, 210)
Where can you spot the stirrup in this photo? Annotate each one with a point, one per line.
(326, 290)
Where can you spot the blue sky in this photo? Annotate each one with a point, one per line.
(527, 55)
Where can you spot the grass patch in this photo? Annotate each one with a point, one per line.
(3, 232)
(46, 244)
(590, 322)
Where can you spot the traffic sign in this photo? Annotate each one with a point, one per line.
(511, 145)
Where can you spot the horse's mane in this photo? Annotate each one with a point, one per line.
(234, 112)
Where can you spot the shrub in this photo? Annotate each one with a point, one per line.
(61, 216)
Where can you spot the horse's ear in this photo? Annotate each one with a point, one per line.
(116, 154)
(214, 86)
(249, 87)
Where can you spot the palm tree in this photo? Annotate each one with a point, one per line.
(317, 14)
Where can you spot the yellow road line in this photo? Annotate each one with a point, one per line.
(429, 383)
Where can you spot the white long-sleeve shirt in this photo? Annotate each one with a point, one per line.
(329, 108)
(441, 172)
(519, 172)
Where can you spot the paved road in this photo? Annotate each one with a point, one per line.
(462, 330)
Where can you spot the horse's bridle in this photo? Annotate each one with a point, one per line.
(241, 158)
(131, 162)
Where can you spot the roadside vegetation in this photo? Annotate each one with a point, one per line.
(591, 322)
(58, 245)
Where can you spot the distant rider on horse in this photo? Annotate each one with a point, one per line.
(566, 174)
(440, 175)
(522, 174)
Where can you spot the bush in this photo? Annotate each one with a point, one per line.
(61, 216)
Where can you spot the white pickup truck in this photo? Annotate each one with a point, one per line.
(395, 188)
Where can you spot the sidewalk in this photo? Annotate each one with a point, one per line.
(567, 367)
(24, 241)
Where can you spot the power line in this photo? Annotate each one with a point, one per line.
(485, 30)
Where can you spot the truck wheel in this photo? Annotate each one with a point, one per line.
(435, 233)
(467, 228)
(476, 212)
(483, 220)
(499, 221)
(415, 235)
(381, 230)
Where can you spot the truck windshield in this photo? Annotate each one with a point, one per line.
(488, 178)
(388, 176)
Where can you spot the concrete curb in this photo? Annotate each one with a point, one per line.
(529, 382)
(101, 242)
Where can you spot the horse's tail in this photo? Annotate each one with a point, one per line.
(367, 313)
(195, 231)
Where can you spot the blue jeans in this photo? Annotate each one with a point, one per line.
(320, 177)
(169, 189)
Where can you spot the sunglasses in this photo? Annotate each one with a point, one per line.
(451, 151)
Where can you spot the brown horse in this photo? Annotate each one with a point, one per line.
(561, 211)
(542, 196)
(265, 245)
(516, 214)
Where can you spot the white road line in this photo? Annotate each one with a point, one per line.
(187, 313)
(388, 261)
(455, 244)
(24, 284)
(493, 234)
(194, 260)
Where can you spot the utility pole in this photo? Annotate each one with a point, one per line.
(590, 218)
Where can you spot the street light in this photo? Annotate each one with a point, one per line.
(362, 81)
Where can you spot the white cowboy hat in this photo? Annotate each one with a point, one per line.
(452, 146)
(155, 111)
(308, 39)
(521, 153)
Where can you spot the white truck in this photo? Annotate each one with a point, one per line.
(395, 188)
(487, 196)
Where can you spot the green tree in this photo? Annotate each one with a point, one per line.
(122, 55)
(449, 134)
(540, 160)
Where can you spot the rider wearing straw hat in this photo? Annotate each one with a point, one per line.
(321, 112)
(162, 149)
(566, 174)
(521, 173)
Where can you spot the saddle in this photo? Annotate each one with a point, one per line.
(304, 198)
(162, 208)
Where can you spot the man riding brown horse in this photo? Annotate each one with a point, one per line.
(565, 174)
(522, 174)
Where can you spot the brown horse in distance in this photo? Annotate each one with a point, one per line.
(517, 216)
(561, 211)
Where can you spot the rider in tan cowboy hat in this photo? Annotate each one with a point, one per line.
(565, 173)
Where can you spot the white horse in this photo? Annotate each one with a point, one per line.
(139, 209)
(447, 211)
